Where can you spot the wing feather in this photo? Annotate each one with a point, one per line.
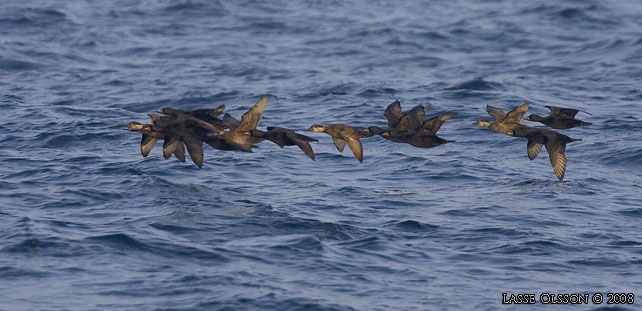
(195, 150)
(357, 149)
(147, 143)
(250, 120)
(340, 143)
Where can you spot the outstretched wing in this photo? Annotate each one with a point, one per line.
(357, 149)
(516, 114)
(412, 121)
(304, 145)
(495, 112)
(147, 144)
(340, 143)
(195, 150)
(533, 148)
(250, 120)
(393, 113)
(558, 159)
(230, 121)
(169, 146)
(432, 125)
(179, 152)
(564, 113)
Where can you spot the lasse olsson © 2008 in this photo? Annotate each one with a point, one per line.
(550, 298)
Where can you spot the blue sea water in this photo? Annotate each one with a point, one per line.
(86, 223)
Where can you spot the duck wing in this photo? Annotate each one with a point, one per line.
(304, 138)
(230, 121)
(169, 146)
(207, 115)
(303, 145)
(393, 113)
(564, 113)
(533, 148)
(340, 143)
(412, 120)
(556, 154)
(250, 120)
(357, 149)
(195, 150)
(432, 125)
(179, 152)
(158, 122)
(495, 112)
(147, 143)
(516, 114)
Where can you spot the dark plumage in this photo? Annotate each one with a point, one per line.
(286, 137)
(184, 129)
(554, 142)
(413, 127)
(342, 134)
(239, 130)
(410, 122)
(559, 118)
(149, 139)
(426, 135)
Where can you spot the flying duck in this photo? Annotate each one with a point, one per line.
(554, 142)
(286, 137)
(342, 134)
(559, 118)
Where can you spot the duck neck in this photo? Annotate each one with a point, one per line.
(536, 118)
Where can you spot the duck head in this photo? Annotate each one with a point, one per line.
(533, 117)
(316, 128)
(374, 130)
(167, 111)
(482, 122)
(134, 126)
(214, 113)
(256, 133)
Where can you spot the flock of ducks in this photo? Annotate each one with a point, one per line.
(189, 129)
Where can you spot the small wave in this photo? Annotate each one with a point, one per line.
(270, 302)
(207, 8)
(477, 84)
(374, 93)
(18, 65)
(414, 226)
(7, 272)
(297, 243)
(33, 17)
(119, 240)
(631, 212)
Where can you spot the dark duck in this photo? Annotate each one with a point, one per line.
(182, 128)
(286, 137)
(559, 118)
(150, 137)
(508, 123)
(412, 127)
(554, 142)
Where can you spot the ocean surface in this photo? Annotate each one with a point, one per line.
(87, 223)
